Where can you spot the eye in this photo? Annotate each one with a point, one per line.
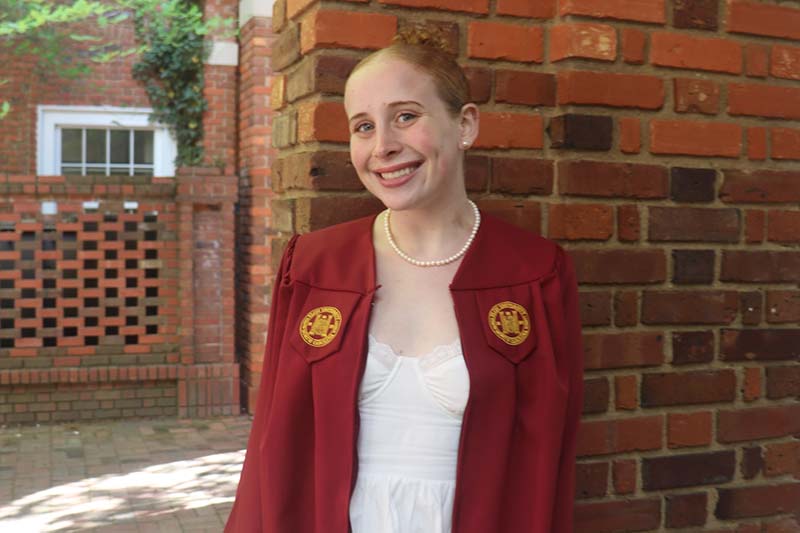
(406, 116)
(363, 127)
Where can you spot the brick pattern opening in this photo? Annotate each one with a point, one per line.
(89, 275)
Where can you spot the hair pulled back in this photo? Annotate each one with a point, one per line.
(426, 48)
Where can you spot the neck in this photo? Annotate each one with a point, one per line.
(433, 233)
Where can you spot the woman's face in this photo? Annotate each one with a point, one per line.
(404, 144)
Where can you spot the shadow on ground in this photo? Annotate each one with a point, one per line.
(124, 476)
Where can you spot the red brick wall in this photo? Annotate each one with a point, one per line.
(255, 228)
(149, 330)
(106, 84)
(61, 402)
(660, 142)
(219, 140)
(220, 121)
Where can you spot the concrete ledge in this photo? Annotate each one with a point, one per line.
(223, 53)
(254, 8)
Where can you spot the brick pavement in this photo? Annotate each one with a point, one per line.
(161, 475)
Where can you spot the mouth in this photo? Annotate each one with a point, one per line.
(398, 171)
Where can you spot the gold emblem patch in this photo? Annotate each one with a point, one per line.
(510, 322)
(320, 326)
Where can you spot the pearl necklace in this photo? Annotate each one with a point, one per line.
(436, 262)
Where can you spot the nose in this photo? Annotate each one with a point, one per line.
(386, 143)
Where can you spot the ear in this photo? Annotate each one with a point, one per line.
(469, 123)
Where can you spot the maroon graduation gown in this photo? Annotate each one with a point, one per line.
(515, 301)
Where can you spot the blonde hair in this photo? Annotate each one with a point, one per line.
(425, 47)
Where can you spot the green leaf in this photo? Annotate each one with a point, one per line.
(118, 18)
(81, 38)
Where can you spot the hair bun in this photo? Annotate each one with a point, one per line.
(419, 35)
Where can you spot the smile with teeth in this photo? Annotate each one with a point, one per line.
(398, 173)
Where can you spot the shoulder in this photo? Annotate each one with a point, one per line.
(339, 256)
(507, 254)
(526, 246)
(334, 239)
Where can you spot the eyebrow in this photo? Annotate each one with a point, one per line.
(393, 104)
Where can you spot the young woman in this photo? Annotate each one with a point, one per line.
(424, 367)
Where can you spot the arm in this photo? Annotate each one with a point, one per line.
(247, 508)
(565, 489)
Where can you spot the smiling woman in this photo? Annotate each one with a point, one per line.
(410, 128)
(424, 366)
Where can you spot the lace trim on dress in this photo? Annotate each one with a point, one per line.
(438, 355)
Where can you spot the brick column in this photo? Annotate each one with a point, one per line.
(208, 375)
(258, 238)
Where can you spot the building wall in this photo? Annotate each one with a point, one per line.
(659, 142)
(106, 84)
(119, 311)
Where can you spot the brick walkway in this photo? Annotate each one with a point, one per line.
(128, 476)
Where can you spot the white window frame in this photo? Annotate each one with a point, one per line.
(52, 118)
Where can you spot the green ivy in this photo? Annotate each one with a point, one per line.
(171, 35)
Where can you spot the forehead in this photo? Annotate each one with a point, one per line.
(387, 80)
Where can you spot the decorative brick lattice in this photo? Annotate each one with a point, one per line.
(88, 278)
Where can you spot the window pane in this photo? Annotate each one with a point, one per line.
(70, 170)
(120, 146)
(71, 146)
(97, 171)
(95, 146)
(143, 172)
(143, 147)
(117, 170)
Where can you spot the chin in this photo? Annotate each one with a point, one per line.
(394, 203)
(396, 200)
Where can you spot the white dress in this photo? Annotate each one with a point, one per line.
(411, 410)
